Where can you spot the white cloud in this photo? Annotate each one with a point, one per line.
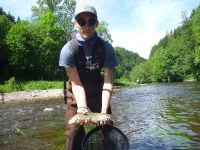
(153, 14)
(139, 25)
(136, 25)
(148, 23)
(140, 43)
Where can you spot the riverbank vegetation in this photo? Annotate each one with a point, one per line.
(12, 85)
(176, 57)
(30, 50)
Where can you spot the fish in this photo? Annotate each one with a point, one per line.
(95, 118)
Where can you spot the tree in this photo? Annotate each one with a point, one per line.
(63, 10)
(103, 32)
(177, 56)
(44, 6)
(127, 60)
(34, 48)
(10, 17)
(52, 42)
(195, 21)
(5, 25)
(141, 72)
(6, 21)
(19, 40)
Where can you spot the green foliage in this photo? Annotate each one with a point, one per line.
(52, 42)
(35, 48)
(176, 57)
(43, 6)
(141, 73)
(10, 17)
(5, 25)
(62, 9)
(123, 82)
(127, 60)
(6, 21)
(12, 85)
(16, 39)
(103, 32)
(42, 85)
(197, 55)
(195, 19)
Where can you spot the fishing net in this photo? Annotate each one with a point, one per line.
(105, 137)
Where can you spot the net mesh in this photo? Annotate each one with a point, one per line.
(105, 138)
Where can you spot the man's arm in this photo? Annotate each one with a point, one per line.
(78, 89)
(107, 89)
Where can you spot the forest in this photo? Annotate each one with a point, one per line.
(29, 49)
(176, 57)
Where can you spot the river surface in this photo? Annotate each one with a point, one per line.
(156, 116)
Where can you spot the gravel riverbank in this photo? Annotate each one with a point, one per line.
(34, 95)
(31, 95)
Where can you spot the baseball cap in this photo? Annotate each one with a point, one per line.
(85, 8)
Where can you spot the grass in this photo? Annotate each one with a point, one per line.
(123, 82)
(12, 85)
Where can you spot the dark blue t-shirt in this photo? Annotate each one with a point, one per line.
(67, 58)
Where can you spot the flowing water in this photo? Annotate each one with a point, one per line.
(33, 125)
(160, 116)
(157, 116)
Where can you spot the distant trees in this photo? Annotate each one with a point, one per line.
(8, 15)
(176, 57)
(6, 22)
(103, 32)
(34, 48)
(62, 9)
(30, 49)
(127, 60)
(5, 25)
(195, 21)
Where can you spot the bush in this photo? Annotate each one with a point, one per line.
(10, 86)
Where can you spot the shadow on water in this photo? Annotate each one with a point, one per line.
(158, 116)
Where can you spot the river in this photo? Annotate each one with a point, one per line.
(155, 116)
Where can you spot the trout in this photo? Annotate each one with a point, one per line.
(95, 118)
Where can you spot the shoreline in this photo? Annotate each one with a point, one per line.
(31, 95)
(35, 95)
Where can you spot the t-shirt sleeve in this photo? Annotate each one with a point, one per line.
(110, 57)
(66, 56)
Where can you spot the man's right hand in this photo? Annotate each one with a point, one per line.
(84, 111)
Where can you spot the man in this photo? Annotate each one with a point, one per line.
(84, 58)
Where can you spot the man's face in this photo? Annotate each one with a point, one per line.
(86, 24)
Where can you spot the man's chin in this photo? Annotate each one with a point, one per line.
(87, 37)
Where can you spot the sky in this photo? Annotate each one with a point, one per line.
(135, 25)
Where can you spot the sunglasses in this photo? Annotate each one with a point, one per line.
(89, 22)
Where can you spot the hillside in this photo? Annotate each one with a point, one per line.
(176, 57)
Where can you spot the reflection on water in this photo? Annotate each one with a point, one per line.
(159, 116)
